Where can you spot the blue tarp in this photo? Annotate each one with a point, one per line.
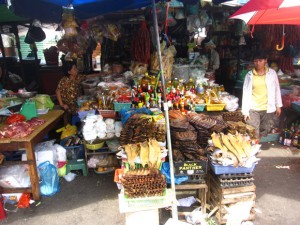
(51, 10)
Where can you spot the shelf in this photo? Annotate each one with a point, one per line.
(104, 152)
(11, 163)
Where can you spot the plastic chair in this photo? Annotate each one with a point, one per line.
(76, 165)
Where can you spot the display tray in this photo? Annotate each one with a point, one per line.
(219, 169)
(199, 107)
(215, 107)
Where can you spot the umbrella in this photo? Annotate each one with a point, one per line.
(269, 12)
(50, 11)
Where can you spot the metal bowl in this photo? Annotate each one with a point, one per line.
(26, 94)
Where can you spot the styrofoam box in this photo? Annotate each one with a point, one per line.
(42, 156)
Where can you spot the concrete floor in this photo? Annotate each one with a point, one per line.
(93, 200)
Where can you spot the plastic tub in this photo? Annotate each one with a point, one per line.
(219, 169)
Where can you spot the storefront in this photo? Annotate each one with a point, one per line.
(155, 119)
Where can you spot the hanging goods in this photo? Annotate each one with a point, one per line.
(50, 181)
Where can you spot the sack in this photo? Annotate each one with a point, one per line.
(29, 109)
(50, 180)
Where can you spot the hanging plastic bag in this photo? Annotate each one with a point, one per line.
(50, 181)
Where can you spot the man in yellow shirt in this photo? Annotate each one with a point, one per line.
(261, 96)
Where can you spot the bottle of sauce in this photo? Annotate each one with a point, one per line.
(145, 83)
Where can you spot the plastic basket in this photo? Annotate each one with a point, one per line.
(219, 169)
(199, 107)
(107, 113)
(73, 152)
(94, 146)
(215, 107)
(118, 106)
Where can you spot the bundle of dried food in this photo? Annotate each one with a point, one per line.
(220, 125)
(238, 146)
(136, 129)
(185, 136)
(202, 136)
(233, 116)
(147, 153)
(201, 120)
(176, 115)
(140, 128)
(143, 183)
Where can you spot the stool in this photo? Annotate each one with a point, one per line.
(201, 190)
(76, 165)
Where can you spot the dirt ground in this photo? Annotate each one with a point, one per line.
(93, 200)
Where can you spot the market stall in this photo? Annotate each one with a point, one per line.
(160, 119)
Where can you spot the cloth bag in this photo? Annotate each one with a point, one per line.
(50, 180)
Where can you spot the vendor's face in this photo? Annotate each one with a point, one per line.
(259, 63)
(73, 71)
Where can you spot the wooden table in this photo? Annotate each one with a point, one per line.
(28, 143)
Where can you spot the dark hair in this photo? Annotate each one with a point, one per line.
(260, 55)
(67, 65)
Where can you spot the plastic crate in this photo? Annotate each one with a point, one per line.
(73, 152)
(219, 169)
(296, 106)
(107, 113)
(199, 107)
(270, 138)
(215, 107)
(118, 106)
(190, 167)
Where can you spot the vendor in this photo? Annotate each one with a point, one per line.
(261, 96)
(68, 89)
(212, 55)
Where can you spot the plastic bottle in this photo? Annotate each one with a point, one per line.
(295, 140)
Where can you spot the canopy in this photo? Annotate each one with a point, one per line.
(269, 12)
(8, 17)
(50, 11)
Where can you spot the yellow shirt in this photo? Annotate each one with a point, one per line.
(259, 92)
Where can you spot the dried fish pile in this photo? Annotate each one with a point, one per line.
(201, 120)
(143, 183)
(220, 125)
(235, 116)
(149, 153)
(140, 128)
(184, 141)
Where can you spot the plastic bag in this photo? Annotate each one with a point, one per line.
(50, 181)
(24, 200)
(43, 102)
(165, 170)
(127, 113)
(67, 131)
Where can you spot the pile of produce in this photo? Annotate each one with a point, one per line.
(234, 150)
